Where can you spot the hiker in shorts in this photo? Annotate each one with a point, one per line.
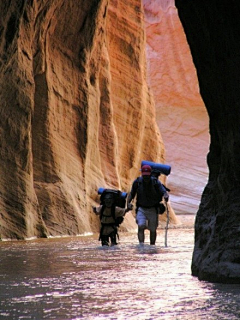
(150, 192)
(110, 217)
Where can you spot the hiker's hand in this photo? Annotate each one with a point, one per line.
(166, 197)
(129, 206)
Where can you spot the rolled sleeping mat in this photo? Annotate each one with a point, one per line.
(120, 197)
(101, 190)
(163, 168)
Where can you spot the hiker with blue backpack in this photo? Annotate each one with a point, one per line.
(111, 211)
(150, 192)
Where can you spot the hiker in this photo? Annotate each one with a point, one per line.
(110, 216)
(149, 191)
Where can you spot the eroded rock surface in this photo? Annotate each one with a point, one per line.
(213, 33)
(181, 114)
(76, 111)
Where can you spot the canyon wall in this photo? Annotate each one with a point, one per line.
(213, 33)
(76, 112)
(180, 112)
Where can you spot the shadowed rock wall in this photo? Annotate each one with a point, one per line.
(76, 111)
(213, 33)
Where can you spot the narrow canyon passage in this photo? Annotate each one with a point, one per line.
(180, 112)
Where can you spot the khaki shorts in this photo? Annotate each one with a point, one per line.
(147, 217)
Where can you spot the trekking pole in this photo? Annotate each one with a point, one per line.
(166, 228)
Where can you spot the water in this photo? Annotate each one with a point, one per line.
(75, 278)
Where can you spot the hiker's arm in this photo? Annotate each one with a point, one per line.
(129, 207)
(129, 198)
(132, 194)
(166, 196)
(97, 210)
(164, 192)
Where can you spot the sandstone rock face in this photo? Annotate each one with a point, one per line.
(212, 31)
(76, 111)
(181, 114)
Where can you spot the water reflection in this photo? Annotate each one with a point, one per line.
(75, 278)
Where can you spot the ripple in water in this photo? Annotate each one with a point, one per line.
(75, 278)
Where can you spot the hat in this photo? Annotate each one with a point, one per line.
(146, 170)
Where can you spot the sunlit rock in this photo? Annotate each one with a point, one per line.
(180, 111)
(76, 111)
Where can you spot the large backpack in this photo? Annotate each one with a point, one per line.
(119, 201)
(160, 207)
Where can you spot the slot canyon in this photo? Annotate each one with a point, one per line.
(90, 88)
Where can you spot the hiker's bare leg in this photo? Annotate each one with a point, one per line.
(141, 236)
(153, 236)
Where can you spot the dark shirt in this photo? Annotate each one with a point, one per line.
(149, 193)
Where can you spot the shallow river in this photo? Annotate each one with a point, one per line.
(75, 278)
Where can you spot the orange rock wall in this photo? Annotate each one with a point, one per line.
(76, 111)
(181, 114)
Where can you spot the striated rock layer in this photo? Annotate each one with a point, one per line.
(76, 111)
(213, 33)
(180, 111)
